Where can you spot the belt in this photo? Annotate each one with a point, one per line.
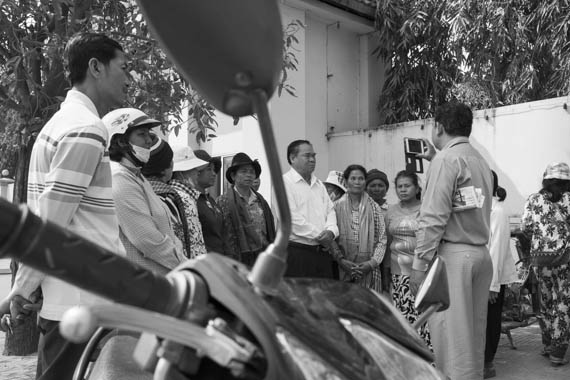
(316, 248)
(443, 241)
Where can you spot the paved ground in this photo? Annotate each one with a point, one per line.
(16, 367)
(524, 363)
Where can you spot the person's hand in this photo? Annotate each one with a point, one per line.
(5, 319)
(20, 308)
(325, 238)
(429, 151)
(493, 296)
(360, 270)
(416, 279)
(364, 268)
(346, 265)
(14, 310)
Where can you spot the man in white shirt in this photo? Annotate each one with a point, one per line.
(312, 214)
(69, 183)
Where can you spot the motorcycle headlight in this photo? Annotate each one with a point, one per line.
(395, 361)
(311, 365)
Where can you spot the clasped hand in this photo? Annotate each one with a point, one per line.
(356, 271)
(15, 310)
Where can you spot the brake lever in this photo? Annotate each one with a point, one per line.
(79, 323)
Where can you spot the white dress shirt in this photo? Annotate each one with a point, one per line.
(312, 211)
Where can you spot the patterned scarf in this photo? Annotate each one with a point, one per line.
(366, 223)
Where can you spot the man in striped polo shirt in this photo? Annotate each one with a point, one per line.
(69, 183)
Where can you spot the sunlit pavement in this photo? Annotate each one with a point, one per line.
(16, 367)
(523, 363)
(526, 362)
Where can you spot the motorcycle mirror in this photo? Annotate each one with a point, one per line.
(225, 49)
(434, 291)
(232, 53)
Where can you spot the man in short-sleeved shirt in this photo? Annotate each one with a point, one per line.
(454, 223)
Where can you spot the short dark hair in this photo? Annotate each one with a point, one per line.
(501, 194)
(119, 147)
(293, 148)
(81, 47)
(456, 118)
(351, 168)
(411, 175)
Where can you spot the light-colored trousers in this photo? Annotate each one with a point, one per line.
(458, 334)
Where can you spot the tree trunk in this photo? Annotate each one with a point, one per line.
(24, 341)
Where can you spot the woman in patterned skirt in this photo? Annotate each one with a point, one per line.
(402, 224)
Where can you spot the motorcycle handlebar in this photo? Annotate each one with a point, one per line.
(57, 252)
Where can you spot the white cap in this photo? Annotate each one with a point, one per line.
(185, 159)
(122, 120)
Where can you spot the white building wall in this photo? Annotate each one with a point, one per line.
(332, 41)
(518, 142)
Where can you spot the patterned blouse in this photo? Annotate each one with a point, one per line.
(547, 222)
(189, 197)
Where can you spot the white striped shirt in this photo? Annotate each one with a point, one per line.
(69, 183)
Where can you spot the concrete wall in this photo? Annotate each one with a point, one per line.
(518, 142)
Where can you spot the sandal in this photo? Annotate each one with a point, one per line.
(557, 362)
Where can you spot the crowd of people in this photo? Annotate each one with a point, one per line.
(114, 182)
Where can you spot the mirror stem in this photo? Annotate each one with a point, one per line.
(270, 266)
(422, 318)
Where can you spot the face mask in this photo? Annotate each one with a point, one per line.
(142, 154)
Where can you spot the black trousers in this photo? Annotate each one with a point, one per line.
(308, 261)
(494, 316)
(57, 357)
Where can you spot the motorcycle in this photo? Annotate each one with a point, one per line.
(212, 317)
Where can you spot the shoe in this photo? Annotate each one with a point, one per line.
(489, 370)
(557, 362)
(545, 352)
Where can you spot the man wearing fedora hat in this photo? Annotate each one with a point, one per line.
(313, 226)
(184, 177)
(209, 211)
(248, 220)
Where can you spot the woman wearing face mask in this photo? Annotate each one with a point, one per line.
(158, 171)
(145, 225)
